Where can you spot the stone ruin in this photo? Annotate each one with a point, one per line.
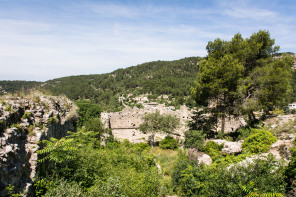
(23, 123)
(125, 124)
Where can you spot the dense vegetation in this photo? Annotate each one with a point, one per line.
(241, 76)
(173, 78)
(13, 87)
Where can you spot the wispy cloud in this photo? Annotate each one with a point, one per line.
(88, 37)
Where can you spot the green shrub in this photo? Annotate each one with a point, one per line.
(259, 141)
(87, 110)
(213, 149)
(243, 133)
(278, 112)
(140, 106)
(239, 180)
(141, 146)
(168, 143)
(31, 130)
(27, 115)
(52, 120)
(111, 187)
(8, 108)
(42, 186)
(36, 99)
(213, 145)
(10, 191)
(65, 189)
(194, 139)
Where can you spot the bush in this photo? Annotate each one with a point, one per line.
(168, 143)
(194, 139)
(140, 106)
(278, 112)
(243, 133)
(66, 189)
(213, 149)
(27, 115)
(259, 176)
(87, 110)
(141, 147)
(52, 120)
(111, 188)
(259, 141)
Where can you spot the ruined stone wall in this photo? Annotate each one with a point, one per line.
(125, 124)
(232, 123)
(23, 123)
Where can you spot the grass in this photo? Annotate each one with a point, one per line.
(165, 158)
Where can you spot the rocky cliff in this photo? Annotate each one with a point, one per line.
(23, 123)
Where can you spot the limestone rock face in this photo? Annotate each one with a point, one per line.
(23, 123)
(230, 147)
(199, 157)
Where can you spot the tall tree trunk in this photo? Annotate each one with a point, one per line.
(152, 140)
(223, 123)
(252, 118)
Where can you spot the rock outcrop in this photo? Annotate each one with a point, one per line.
(199, 157)
(230, 147)
(23, 123)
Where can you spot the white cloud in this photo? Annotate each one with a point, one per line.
(115, 35)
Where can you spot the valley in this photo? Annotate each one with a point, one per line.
(213, 126)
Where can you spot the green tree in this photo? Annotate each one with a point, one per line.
(217, 84)
(156, 123)
(87, 111)
(241, 75)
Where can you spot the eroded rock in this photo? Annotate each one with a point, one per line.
(199, 157)
(20, 134)
(230, 147)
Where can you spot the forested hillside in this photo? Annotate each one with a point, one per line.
(173, 78)
(159, 77)
(17, 86)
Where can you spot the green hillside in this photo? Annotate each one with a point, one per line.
(17, 86)
(173, 78)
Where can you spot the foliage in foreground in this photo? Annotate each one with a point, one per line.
(83, 167)
(190, 179)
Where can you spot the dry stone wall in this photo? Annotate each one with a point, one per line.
(23, 123)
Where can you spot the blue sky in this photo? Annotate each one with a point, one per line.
(46, 39)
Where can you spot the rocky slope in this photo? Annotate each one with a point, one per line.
(23, 123)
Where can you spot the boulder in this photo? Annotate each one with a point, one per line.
(199, 157)
(230, 147)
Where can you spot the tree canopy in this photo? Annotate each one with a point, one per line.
(241, 75)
